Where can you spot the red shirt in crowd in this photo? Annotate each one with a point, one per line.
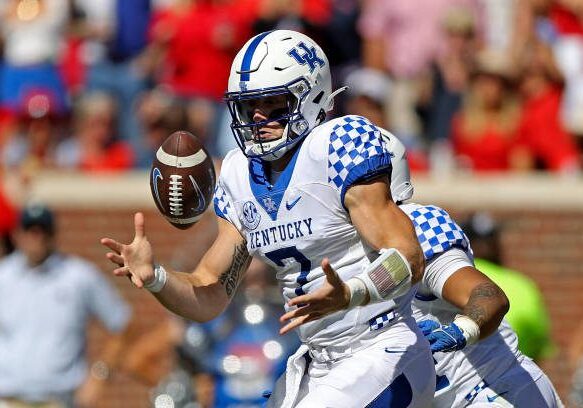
(542, 134)
(202, 44)
(488, 150)
(8, 214)
(118, 156)
(565, 21)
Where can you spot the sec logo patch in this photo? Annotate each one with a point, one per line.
(251, 216)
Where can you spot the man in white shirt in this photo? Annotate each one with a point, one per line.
(46, 301)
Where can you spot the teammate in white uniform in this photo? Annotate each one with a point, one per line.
(312, 198)
(490, 372)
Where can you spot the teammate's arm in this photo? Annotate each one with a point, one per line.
(477, 297)
(200, 295)
(481, 302)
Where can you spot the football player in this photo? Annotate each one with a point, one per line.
(312, 198)
(460, 310)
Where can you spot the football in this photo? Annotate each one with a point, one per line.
(182, 179)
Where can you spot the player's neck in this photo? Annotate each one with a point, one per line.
(280, 164)
(275, 168)
(274, 176)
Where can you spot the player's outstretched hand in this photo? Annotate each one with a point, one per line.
(333, 296)
(135, 259)
(442, 337)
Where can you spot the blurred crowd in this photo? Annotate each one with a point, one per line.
(470, 85)
(96, 86)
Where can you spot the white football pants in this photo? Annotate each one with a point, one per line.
(524, 385)
(394, 370)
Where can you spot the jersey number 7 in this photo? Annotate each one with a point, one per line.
(279, 255)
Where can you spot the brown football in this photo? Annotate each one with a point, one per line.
(182, 179)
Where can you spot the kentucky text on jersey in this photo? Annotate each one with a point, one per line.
(280, 233)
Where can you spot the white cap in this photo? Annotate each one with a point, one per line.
(369, 82)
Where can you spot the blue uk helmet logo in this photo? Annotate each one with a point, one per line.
(306, 55)
(251, 216)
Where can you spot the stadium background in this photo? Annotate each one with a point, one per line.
(83, 143)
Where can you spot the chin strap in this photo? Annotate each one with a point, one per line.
(282, 151)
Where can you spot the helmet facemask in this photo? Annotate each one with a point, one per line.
(248, 132)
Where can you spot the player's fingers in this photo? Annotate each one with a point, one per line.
(298, 322)
(331, 274)
(427, 326)
(288, 327)
(115, 258)
(287, 316)
(434, 347)
(137, 281)
(122, 271)
(292, 314)
(112, 244)
(293, 324)
(432, 338)
(300, 301)
(139, 224)
(125, 271)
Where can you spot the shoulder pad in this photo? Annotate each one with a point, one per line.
(436, 230)
(354, 140)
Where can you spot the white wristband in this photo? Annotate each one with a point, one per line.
(469, 328)
(159, 280)
(388, 277)
(358, 292)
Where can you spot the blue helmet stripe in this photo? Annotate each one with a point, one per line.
(246, 65)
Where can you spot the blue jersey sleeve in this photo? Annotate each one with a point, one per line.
(357, 152)
(222, 203)
(436, 230)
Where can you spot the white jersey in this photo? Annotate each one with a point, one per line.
(460, 374)
(301, 218)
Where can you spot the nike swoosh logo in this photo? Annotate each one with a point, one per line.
(491, 398)
(291, 205)
(157, 174)
(201, 202)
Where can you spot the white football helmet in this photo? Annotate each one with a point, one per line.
(401, 187)
(280, 62)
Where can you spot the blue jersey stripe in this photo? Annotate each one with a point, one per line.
(246, 64)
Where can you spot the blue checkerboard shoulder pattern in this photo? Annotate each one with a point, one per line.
(435, 229)
(221, 202)
(352, 140)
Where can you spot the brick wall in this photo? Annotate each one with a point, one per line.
(79, 233)
(544, 242)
